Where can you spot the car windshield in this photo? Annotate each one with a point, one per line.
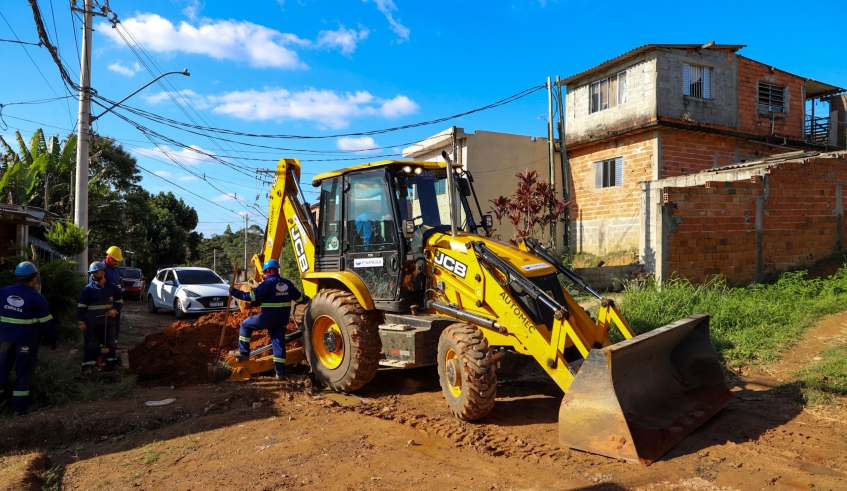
(198, 277)
(132, 274)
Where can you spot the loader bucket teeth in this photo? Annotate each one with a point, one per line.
(636, 399)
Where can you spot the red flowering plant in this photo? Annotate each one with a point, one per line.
(531, 209)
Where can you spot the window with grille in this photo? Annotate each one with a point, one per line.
(771, 98)
(608, 173)
(606, 93)
(697, 81)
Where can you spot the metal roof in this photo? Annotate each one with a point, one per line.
(646, 49)
(382, 163)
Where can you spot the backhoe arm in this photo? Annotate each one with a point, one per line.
(288, 212)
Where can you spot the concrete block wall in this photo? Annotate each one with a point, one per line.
(687, 152)
(721, 109)
(752, 120)
(640, 104)
(607, 219)
(786, 218)
(715, 231)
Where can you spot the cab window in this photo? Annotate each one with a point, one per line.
(370, 224)
(329, 230)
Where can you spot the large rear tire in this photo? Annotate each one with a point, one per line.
(466, 372)
(341, 340)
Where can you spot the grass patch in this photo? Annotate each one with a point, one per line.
(747, 324)
(58, 380)
(825, 381)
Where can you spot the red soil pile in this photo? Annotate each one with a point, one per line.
(178, 355)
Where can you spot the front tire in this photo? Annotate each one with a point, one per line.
(341, 341)
(178, 312)
(466, 372)
(151, 305)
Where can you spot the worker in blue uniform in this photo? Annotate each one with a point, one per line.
(24, 312)
(113, 275)
(275, 294)
(99, 305)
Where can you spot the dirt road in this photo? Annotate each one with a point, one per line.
(397, 434)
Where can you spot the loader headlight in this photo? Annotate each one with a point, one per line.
(407, 169)
(418, 171)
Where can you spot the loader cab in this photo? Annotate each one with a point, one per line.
(363, 227)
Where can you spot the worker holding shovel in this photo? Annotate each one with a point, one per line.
(275, 294)
(99, 305)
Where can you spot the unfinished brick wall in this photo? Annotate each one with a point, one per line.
(688, 152)
(799, 216)
(606, 219)
(751, 119)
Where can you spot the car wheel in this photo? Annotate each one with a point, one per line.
(178, 312)
(151, 305)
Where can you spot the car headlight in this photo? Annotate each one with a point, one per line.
(138, 284)
(190, 294)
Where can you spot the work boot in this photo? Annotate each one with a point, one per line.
(239, 356)
(22, 412)
(281, 377)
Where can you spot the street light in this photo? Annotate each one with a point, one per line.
(184, 72)
(85, 120)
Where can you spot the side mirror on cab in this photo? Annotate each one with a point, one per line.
(489, 221)
(410, 229)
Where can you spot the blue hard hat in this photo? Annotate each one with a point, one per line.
(96, 266)
(270, 263)
(25, 268)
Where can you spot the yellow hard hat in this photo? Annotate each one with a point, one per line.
(115, 252)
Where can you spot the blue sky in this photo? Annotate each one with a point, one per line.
(319, 67)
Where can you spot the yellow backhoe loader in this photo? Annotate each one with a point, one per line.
(401, 273)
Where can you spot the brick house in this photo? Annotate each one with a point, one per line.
(645, 120)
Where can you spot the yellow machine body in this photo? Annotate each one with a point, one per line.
(632, 400)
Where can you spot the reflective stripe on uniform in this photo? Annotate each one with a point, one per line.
(252, 296)
(20, 393)
(278, 304)
(119, 301)
(279, 360)
(81, 305)
(111, 359)
(45, 319)
(244, 338)
(100, 307)
(12, 320)
(86, 363)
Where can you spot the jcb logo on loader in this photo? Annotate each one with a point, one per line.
(451, 264)
(299, 250)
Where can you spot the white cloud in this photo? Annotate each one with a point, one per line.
(326, 107)
(184, 156)
(344, 39)
(221, 39)
(159, 97)
(187, 178)
(364, 143)
(386, 7)
(126, 71)
(228, 197)
(162, 173)
(192, 9)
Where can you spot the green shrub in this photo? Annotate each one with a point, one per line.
(824, 381)
(67, 239)
(747, 324)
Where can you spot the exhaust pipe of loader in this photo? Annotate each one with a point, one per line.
(636, 399)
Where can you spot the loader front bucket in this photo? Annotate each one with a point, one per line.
(636, 399)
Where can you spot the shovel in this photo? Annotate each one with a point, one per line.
(220, 370)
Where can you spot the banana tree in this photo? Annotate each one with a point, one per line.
(28, 173)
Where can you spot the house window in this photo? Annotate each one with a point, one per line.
(606, 93)
(697, 81)
(608, 173)
(771, 98)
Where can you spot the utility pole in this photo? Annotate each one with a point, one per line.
(83, 131)
(246, 264)
(215, 260)
(566, 171)
(551, 154)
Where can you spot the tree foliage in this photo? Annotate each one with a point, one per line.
(66, 238)
(532, 208)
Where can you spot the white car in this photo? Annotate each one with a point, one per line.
(188, 291)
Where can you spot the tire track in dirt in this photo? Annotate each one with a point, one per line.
(485, 439)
